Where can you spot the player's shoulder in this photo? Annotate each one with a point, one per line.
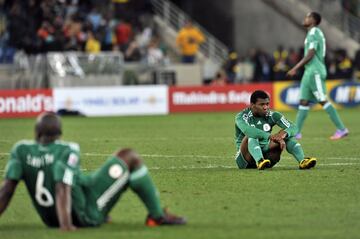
(73, 146)
(315, 31)
(244, 114)
(23, 144)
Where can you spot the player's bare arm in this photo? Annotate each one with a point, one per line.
(63, 207)
(304, 61)
(6, 192)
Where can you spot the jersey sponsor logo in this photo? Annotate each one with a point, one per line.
(291, 95)
(347, 94)
(73, 160)
(266, 127)
(259, 122)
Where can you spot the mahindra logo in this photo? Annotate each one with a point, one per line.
(213, 97)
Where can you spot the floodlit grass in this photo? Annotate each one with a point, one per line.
(190, 157)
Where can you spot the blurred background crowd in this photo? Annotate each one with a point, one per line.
(40, 26)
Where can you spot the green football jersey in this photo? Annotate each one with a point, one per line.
(41, 167)
(315, 40)
(246, 124)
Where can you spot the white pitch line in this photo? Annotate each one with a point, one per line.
(213, 166)
(198, 156)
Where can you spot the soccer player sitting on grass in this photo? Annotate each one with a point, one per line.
(256, 146)
(63, 196)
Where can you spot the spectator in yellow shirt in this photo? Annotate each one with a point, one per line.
(188, 40)
(92, 45)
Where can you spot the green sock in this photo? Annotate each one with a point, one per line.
(334, 116)
(294, 148)
(143, 186)
(254, 149)
(301, 116)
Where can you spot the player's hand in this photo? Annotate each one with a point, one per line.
(281, 134)
(291, 73)
(275, 138)
(282, 144)
(278, 138)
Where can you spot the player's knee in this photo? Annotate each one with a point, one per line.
(290, 142)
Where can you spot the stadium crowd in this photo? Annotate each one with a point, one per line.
(261, 66)
(38, 26)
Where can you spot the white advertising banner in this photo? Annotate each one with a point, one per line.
(112, 101)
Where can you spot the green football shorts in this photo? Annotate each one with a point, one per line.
(312, 87)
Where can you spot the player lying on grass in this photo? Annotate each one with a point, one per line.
(65, 197)
(256, 146)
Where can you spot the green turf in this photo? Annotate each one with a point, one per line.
(191, 161)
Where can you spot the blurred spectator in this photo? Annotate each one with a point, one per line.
(154, 53)
(92, 44)
(220, 79)
(123, 35)
(188, 40)
(133, 53)
(357, 65)
(344, 68)
(45, 33)
(231, 67)
(95, 19)
(262, 62)
(280, 63)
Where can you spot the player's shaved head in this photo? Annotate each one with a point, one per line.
(258, 94)
(47, 127)
(316, 16)
(130, 157)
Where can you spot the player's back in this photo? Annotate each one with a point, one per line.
(315, 39)
(41, 167)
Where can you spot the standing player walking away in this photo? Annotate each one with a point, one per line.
(66, 198)
(313, 81)
(256, 146)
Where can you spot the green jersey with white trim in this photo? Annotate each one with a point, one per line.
(41, 167)
(246, 124)
(315, 39)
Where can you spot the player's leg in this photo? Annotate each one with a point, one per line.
(273, 153)
(256, 152)
(123, 170)
(294, 148)
(319, 91)
(141, 183)
(243, 158)
(303, 111)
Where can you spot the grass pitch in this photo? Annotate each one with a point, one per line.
(190, 157)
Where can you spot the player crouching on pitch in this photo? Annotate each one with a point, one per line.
(63, 196)
(256, 146)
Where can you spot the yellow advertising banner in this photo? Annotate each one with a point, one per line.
(343, 94)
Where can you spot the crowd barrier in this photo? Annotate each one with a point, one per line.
(161, 99)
